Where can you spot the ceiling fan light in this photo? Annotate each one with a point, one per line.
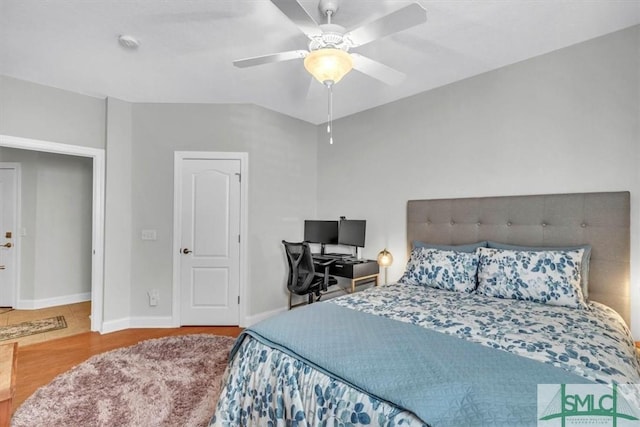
(328, 64)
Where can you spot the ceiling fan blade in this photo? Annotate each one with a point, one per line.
(401, 19)
(377, 70)
(296, 13)
(267, 59)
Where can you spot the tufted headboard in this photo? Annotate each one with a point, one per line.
(598, 219)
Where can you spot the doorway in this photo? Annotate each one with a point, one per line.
(9, 220)
(97, 220)
(209, 223)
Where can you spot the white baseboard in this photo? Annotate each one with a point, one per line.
(168, 322)
(137, 322)
(251, 320)
(115, 325)
(152, 322)
(35, 304)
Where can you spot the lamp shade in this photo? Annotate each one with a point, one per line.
(328, 64)
(385, 259)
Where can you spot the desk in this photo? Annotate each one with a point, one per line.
(360, 272)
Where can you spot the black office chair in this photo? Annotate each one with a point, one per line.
(303, 278)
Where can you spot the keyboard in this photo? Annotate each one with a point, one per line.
(342, 259)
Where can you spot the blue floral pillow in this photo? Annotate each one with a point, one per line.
(450, 270)
(547, 277)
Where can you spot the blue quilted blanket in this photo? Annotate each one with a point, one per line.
(442, 379)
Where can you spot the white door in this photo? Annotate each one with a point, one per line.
(210, 242)
(8, 219)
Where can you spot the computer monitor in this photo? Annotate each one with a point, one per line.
(352, 232)
(323, 232)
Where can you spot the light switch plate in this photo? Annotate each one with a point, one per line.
(148, 234)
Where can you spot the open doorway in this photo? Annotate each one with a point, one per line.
(53, 240)
(96, 158)
(10, 174)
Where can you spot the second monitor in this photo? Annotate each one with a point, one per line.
(352, 232)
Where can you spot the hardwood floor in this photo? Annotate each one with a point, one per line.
(76, 317)
(42, 357)
(39, 363)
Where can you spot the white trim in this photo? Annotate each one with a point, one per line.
(177, 219)
(252, 320)
(137, 322)
(151, 322)
(35, 304)
(244, 234)
(17, 235)
(115, 325)
(97, 261)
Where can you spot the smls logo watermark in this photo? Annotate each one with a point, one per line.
(580, 405)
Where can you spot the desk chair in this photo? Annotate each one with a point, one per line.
(303, 278)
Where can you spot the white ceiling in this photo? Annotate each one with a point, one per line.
(187, 47)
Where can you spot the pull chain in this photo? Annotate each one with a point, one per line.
(329, 85)
(330, 111)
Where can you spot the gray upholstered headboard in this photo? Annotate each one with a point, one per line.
(598, 219)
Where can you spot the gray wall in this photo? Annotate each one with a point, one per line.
(563, 122)
(34, 111)
(56, 215)
(282, 191)
(118, 201)
(140, 140)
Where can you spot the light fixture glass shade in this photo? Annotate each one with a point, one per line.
(385, 259)
(328, 64)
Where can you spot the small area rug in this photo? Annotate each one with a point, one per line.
(32, 327)
(171, 381)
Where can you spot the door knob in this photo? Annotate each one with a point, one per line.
(186, 251)
(7, 245)
(2, 267)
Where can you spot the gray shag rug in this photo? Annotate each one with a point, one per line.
(171, 381)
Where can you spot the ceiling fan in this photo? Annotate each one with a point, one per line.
(328, 57)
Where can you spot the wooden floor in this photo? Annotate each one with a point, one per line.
(75, 315)
(39, 363)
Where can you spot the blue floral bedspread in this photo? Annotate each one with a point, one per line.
(264, 386)
(594, 343)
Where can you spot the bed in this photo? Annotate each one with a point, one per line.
(499, 295)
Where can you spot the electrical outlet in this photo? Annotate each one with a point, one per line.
(154, 297)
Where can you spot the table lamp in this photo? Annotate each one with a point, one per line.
(384, 260)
